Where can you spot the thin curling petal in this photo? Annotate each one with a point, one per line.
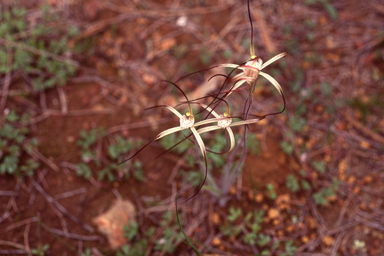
(210, 110)
(279, 56)
(208, 129)
(208, 121)
(228, 65)
(273, 81)
(249, 121)
(231, 139)
(237, 77)
(214, 128)
(237, 85)
(168, 131)
(174, 111)
(199, 141)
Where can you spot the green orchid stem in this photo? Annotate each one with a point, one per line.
(252, 48)
(230, 176)
(251, 90)
(185, 235)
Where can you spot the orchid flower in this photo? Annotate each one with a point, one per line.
(227, 123)
(187, 121)
(251, 70)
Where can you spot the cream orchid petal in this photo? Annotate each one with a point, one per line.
(174, 111)
(249, 121)
(231, 139)
(273, 81)
(214, 128)
(168, 131)
(256, 69)
(238, 84)
(208, 129)
(210, 110)
(208, 121)
(238, 76)
(232, 66)
(199, 141)
(279, 56)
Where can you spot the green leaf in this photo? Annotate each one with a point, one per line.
(193, 177)
(83, 170)
(9, 165)
(331, 10)
(326, 88)
(263, 239)
(296, 123)
(131, 230)
(234, 214)
(271, 193)
(139, 175)
(292, 183)
(287, 147)
(319, 166)
(305, 185)
(253, 144)
(250, 238)
(12, 116)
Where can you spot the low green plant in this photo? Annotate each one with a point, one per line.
(287, 147)
(38, 50)
(170, 236)
(253, 144)
(321, 197)
(15, 146)
(188, 241)
(253, 222)
(137, 246)
(292, 183)
(41, 250)
(193, 177)
(230, 228)
(319, 166)
(106, 167)
(327, 5)
(289, 249)
(172, 139)
(296, 123)
(270, 191)
(87, 252)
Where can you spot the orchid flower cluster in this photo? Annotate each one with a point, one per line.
(245, 79)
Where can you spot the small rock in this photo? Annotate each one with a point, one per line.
(111, 223)
(273, 213)
(328, 241)
(216, 218)
(216, 241)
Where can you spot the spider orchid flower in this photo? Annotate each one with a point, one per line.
(251, 70)
(224, 121)
(227, 123)
(187, 121)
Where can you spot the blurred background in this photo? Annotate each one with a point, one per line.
(77, 76)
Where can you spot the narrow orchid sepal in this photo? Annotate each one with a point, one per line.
(208, 121)
(168, 132)
(214, 128)
(273, 81)
(279, 56)
(174, 111)
(199, 141)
